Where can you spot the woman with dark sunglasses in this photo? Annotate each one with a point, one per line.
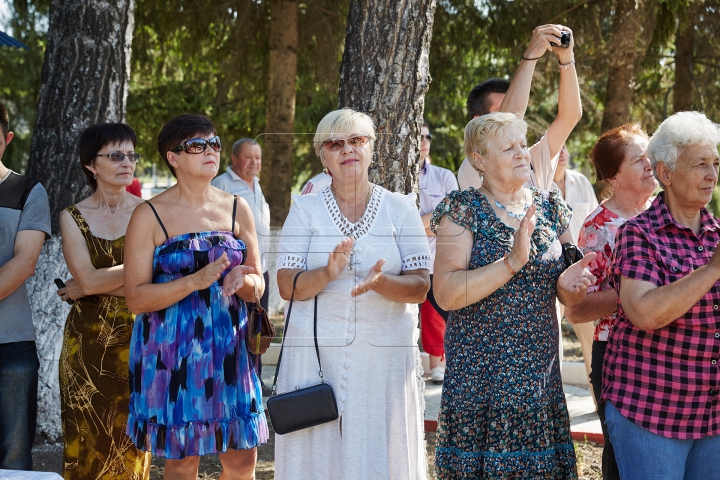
(93, 362)
(367, 293)
(192, 259)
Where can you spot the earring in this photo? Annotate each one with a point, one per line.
(482, 177)
(95, 176)
(325, 169)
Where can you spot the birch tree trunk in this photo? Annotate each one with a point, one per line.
(276, 181)
(85, 81)
(631, 36)
(385, 73)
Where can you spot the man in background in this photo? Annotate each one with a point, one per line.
(241, 178)
(24, 227)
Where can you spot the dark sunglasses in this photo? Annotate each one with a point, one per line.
(120, 156)
(427, 137)
(198, 145)
(335, 144)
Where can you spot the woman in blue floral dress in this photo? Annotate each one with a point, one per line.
(191, 258)
(503, 412)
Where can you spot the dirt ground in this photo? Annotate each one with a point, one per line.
(48, 458)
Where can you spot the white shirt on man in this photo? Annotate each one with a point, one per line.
(580, 197)
(435, 183)
(542, 168)
(233, 184)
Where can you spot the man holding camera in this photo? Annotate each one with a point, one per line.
(497, 95)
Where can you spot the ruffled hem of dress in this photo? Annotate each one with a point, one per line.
(500, 441)
(556, 462)
(197, 437)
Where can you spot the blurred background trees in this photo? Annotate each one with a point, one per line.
(638, 60)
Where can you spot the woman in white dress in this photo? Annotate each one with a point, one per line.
(363, 253)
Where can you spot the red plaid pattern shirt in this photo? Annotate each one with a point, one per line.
(666, 380)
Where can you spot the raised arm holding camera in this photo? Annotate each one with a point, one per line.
(497, 95)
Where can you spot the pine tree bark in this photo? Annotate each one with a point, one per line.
(630, 40)
(276, 178)
(684, 60)
(385, 73)
(85, 80)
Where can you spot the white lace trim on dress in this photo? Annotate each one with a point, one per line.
(363, 225)
(291, 260)
(415, 262)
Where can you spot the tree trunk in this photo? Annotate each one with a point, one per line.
(385, 73)
(85, 81)
(276, 181)
(627, 50)
(684, 59)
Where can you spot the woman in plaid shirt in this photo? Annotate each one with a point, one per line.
(661, 376)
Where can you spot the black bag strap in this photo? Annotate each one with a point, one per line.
(287, 326)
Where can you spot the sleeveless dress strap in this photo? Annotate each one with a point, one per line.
(233, 215)
(81, 223)
(159, 221)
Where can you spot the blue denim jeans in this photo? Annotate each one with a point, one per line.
(18, 404)
(641, 454)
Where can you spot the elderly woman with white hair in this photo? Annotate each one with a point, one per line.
(661, 375)
(362, 253)
(499, 267)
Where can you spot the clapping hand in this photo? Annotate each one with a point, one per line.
(338, 258)
(576, 279)
(210, 273)
(520, 253)
(371, 279)
(235, 280)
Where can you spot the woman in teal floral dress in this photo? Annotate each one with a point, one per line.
(503, 412)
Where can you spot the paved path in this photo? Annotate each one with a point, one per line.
(584, 422)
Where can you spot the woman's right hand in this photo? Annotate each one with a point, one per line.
(542, 39)
(72, 290)
(520, 253)
(338, 259)
(210, 273)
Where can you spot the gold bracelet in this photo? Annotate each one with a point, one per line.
(507, 265)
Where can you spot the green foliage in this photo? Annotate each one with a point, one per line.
(20, 72)
(210, 56)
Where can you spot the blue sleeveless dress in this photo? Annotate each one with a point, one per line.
(193, 388)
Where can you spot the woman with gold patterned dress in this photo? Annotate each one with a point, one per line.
(94, 359)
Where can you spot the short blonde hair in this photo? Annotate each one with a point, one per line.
(345, 121)
(480, 131)
(682, 129)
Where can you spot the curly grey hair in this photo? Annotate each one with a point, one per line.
(680, 130)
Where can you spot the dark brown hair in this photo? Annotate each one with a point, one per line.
(478, 102)
(609, 152)
(180, 128)
(95, 137)
(4, 120)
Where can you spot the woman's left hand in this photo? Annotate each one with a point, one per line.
(371, 280)
(235, 280)
(576, 279)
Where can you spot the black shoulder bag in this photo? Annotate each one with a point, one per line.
(304, 407)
